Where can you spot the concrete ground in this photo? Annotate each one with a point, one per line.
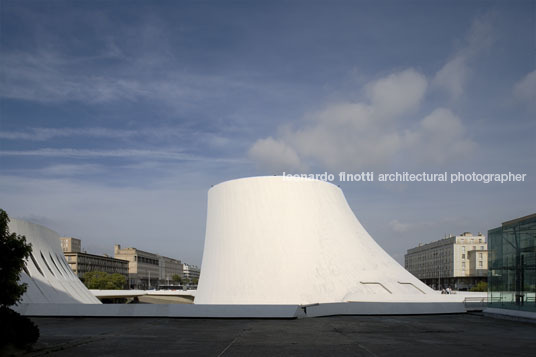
(431, 335)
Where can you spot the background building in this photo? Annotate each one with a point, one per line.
(143, 267)
(459, 262)
(168, 268)
(149, 270)
(70, 244)
(81, 263)
(512, 262)
(191, 272)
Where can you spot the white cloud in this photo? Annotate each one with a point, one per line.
(453, 75)
(156, 134)
(371, 134)
(48, 77)
(71, 170)
(525, 89)
(119, 153)
(439, 137)
(275, 155)
(41, 134)
(397, 93)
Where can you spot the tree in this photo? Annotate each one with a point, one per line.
(13, 251)
(176, 279)
(22, 332)
(104, 281)
(481, 286)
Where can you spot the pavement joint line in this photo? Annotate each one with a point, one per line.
(232, 342)
(64, 346)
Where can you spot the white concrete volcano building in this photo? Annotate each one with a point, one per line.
(47, 274)
(276, 240)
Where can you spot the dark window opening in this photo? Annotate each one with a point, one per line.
(67, 266)
(36, 265)
(48, 266)
(61, 265)
(26, 270)
(53, 262)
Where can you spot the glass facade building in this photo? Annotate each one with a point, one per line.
(512, 265)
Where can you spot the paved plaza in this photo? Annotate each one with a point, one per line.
(430, 335)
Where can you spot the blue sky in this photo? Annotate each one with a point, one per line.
(117, 116)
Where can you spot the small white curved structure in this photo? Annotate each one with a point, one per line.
(276, 240)
(47, 273)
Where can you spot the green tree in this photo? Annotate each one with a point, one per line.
(481, 286)
(104, 281)
(176, 279)
(13, 251)
(22, 332)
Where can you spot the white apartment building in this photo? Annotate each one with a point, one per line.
(190, 272)
(458, 262)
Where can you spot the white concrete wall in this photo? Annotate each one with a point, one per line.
(271, 240)
(55, 283)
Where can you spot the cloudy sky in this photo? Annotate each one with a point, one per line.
(116, 117)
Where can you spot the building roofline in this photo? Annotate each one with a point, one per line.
(94, 255)
(516, 220)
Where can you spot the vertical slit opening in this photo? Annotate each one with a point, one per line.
(53, 262)
(48, 266)
(36, 265)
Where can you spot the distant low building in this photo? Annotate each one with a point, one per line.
(169, 267)
(459, 262)
(82, 263)
(143, 267)
(148, 270)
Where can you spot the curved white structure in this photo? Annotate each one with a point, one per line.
(276, 240)
(47, 273)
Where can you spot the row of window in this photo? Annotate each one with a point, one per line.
(479, 256)
(146, 260)
(474, 248)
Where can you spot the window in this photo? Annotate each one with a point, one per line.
(479, 255)
(463, 256)
(480, 264)
(474, 247)
(463, 249)
(481, 247)
(463, 265)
